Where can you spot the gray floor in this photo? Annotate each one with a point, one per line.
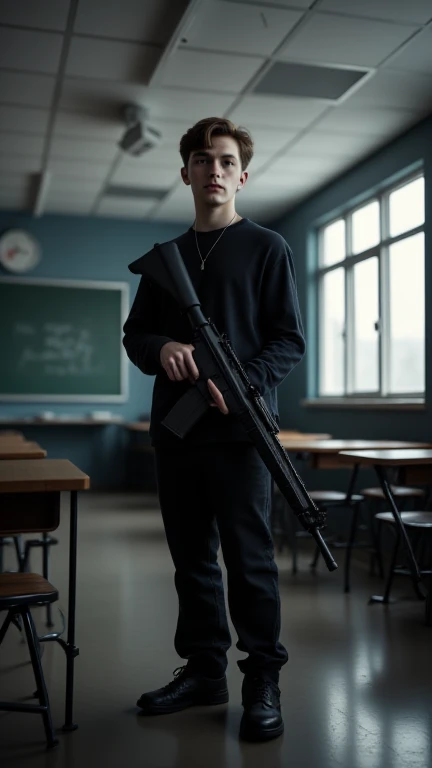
(356, 692)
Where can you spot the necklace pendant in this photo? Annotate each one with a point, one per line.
(202, 266)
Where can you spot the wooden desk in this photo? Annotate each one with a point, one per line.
(416, 467)
(26, 476)
(20, 449)
(326, 454)
(8, 433)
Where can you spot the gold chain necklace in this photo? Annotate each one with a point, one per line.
(203, 261)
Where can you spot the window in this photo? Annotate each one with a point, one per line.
(371, 297)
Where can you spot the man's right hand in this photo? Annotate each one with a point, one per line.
(178, 362)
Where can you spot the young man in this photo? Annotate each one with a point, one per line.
(213, 486)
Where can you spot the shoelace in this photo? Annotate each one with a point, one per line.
(177, 672)
(261, 690)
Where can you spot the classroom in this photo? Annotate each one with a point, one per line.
(216, 383)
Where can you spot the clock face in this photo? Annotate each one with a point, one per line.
(19, 251)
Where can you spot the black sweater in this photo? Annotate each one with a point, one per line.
(248, 290)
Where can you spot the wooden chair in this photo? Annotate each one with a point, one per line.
(21, 591)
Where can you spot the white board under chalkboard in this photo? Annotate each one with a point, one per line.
(60, 340)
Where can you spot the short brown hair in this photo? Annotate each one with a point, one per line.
(201, 134)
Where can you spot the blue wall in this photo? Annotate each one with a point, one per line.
(84, 248)
(297, 228)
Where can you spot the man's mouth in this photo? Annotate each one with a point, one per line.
(213, 186)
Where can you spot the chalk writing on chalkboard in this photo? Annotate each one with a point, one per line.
(62, 349)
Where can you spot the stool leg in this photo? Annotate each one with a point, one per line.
(5, 626)
(45, 552)
(391, 574)
(375, 536)
(350, 544)
(42, 692)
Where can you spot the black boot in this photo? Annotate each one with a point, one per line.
(186, 690)
(262, 719)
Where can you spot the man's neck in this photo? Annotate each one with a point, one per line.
(215, 218)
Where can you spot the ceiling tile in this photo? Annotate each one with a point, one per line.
(13, 201)
(21, 144)
(138, 176)
(70, 124)
(164, 157)
(31, 51)
(320, 144)
(210, 71)
(27, 89)
(70, 205)
(10, 163)
(64, 186)
(15, 181)
(302, 4)
(274, 112)
(133, 209)
(331, 39)
(229, 28)
(395, 89)
(23, 119)
(178, 206)
(110, 60)
(416, 56)
(79, 169)
(416, 11)
(83, 150)
(152, 21)
(374, 121)
(45, 14)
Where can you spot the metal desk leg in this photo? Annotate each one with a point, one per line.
(71, 650)
(412, 563)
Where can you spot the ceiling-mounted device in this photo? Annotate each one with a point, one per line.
(139, 136)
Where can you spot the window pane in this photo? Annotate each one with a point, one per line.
(366, 227)
(366, 314)
(332, 333)
(407, 207)
(333, 243)
(407, 315)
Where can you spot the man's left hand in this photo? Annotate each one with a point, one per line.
(218, 400)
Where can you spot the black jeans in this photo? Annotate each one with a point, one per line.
(213, 493)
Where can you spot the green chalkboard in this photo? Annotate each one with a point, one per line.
(60, 340)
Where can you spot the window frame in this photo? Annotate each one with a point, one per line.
(381, 250)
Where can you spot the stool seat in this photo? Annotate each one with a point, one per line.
(413, 519)
(399, 491)
(332, 496)
(25, 589)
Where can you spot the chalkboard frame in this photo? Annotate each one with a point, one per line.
(120, 397)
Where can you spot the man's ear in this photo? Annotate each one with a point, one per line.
(185, 176)
(242, 180)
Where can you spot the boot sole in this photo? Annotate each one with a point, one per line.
(251, 733)
(202, 701)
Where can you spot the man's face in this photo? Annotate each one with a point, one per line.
(215, 174)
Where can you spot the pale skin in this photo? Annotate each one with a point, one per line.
(219, 166)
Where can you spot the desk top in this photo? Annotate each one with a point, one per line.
(389, 458)
(336, 446)
(27, 475)
(20, 450)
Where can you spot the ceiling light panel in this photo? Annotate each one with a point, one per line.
(288, 79)
(331, 39)
(255, 30)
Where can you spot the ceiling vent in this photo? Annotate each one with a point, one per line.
(312, 82)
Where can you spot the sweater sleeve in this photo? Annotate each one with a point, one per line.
(142, 344)
(285, 344)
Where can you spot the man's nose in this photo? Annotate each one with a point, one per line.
(215, 168)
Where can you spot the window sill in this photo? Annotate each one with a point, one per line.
(371, 403)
